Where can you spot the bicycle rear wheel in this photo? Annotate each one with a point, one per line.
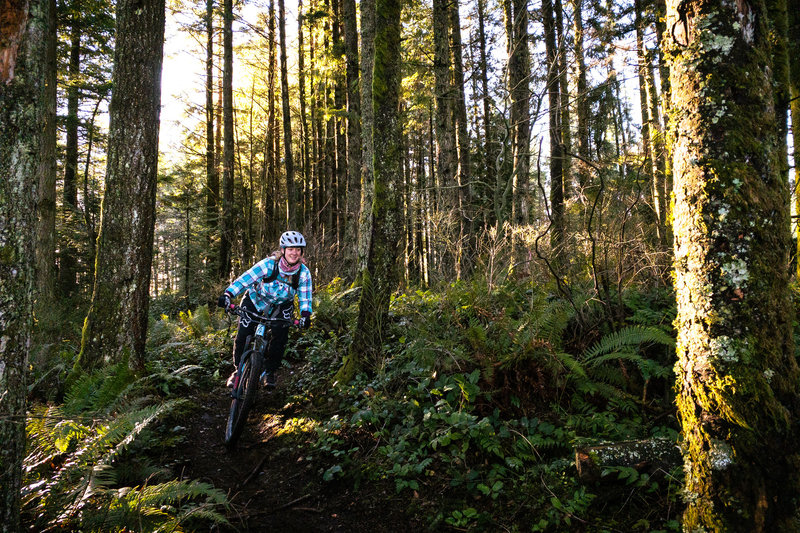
(243, 396)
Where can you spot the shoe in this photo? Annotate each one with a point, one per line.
(231, 380)
(268, 380)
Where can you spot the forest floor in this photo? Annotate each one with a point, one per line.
(273, 481)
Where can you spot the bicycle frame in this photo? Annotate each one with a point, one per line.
(245, 386)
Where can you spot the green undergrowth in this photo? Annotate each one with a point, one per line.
(483, 397)
(93, 461)
(474, 415)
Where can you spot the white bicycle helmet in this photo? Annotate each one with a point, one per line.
(293, 239)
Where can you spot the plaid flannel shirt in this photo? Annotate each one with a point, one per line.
(265, 295)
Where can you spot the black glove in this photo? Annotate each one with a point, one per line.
(305, 319)
(224, 301)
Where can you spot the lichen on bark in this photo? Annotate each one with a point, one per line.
(737, 379)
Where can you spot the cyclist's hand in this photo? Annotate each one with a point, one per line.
(305, 319)
(224, 301)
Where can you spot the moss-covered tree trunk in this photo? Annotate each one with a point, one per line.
(381, 276)
(737, 377)
(23, 111)
(116, 325)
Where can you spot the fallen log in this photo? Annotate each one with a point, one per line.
(642, 455)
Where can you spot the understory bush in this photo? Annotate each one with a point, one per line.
(482, 399)
(92, 460)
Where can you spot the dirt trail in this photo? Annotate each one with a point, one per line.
(271, 481)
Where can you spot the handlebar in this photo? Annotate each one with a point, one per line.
(259, 318)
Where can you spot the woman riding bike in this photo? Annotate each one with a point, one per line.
(270, 287)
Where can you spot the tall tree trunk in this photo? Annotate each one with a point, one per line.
(488, 135)
(466, 237)
(663, 74)
(382, 275)
(582, 100)
(212, 175)
(316, 136)
(24, 102)
(446, 153)
(353, 129)
(91, 208)
(67, 256)
(116, 326)
(646, 154)
(646, 84)
(291, 198)
(556, 148)
(367, 152)
(228, 222)
(304, 140)
(794, 92)
(271, 213)
(519, 72)
(737, 376)
(46, 208)
(563, 84)
(340, 141)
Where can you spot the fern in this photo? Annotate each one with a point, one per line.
(629, 336)
(198, 323)
(99, 391)
(73, 468)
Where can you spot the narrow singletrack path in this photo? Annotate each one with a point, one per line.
(273, 481)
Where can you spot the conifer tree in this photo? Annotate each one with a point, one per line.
(116, 326)
(737, 376)
(23, 116)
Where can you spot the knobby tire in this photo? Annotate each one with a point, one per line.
(242, 397)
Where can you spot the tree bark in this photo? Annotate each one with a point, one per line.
(737, 377)
(642, 455)
(556, 148)
(212, 174)
(488, 134)
(582, 101)
(116, 326)
(291, 198)
(228, 223)
(271, 211)
(793, 43)
(308, 200)
(446, 155)
(564, 111)
(519, 73)
(381, 276)
(466, 237)
(68, 253)
(46, 222)
(24, 102)
(353, 129)
(367, 152)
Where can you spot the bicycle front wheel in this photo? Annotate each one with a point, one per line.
(242, 396)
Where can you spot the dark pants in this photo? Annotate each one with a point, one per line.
(280, 335)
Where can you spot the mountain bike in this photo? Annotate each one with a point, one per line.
(248, 375)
